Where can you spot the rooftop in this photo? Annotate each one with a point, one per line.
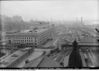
(11, 58)
(30, 31)
(47, 62)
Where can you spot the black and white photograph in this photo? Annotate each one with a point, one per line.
(49, 34)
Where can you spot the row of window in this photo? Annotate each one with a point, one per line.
(29, 41)
(23, 41)
(21, 38)
(28, 37)
(42, 38)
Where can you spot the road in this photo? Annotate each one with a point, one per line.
(10, 59)
(34, 63)
(35, 58)
(31, 57)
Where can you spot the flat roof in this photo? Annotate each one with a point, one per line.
(48, 62)
(40, 30)
(49, 43)
(8, 60)
(31, 32)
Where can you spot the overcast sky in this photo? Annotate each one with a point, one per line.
(51, 10)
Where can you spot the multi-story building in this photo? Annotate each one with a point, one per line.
(32, 37)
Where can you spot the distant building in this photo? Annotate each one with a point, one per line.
(34, 37)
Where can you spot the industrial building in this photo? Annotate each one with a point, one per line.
(34, 37)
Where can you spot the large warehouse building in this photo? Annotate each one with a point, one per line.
(34, 37)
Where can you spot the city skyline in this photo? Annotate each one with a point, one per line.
(51, 10)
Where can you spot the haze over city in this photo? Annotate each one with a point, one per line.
(51, 10)
(49, 34)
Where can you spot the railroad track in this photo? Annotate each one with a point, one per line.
(62, 55)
